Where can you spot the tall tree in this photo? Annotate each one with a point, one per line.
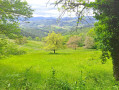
(107, 29)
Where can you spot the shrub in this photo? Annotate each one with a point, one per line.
(22, 40)
(9, 48)
(12, 49)
(89, 43)
(29, 38)
(37, 38)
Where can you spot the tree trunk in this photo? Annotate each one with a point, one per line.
(115, 38)
(54, 51)
(116, 66)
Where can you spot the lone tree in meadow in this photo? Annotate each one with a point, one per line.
(53, 41)
(74, 42)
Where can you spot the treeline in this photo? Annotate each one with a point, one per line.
(42, 26)
(55, 41)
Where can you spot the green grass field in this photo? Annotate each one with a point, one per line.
(66, 70)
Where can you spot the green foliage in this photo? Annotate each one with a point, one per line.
(89, 43)
(11, 30)
(54, 41)
(11, 12)
(108, 31)
(53, 83)
(66, 38)
(103, 36)
(91, 33)
(91, 39)
(21, 40)
(37, 39)
(29, 38)
(3, 36)
(13, 9)
(9, 48)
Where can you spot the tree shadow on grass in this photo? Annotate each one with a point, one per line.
(59, 53)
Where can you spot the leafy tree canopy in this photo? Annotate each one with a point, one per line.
(74, 42)
(10, 12)
(54, 41)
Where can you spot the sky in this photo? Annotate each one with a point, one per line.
(42, 9)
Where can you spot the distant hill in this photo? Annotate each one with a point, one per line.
(41, 26)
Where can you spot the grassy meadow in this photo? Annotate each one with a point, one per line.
(68, 69)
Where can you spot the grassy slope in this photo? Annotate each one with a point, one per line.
(81, 69)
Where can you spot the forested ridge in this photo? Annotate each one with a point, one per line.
(41, 26)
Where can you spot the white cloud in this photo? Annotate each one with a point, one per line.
(45, 10)
(37, 1)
